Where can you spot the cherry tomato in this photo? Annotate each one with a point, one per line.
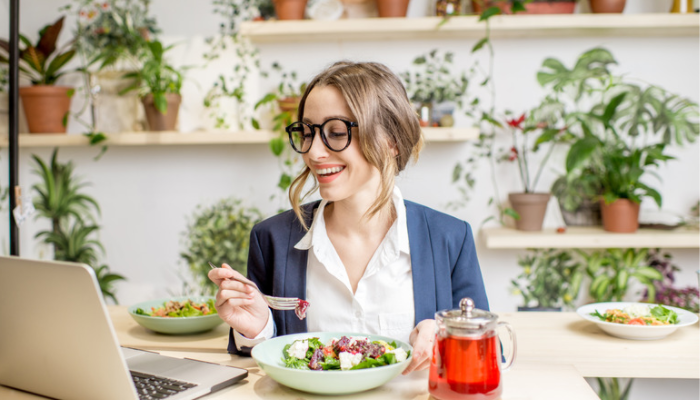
(636, 321)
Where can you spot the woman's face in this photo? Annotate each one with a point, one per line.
(344, 175)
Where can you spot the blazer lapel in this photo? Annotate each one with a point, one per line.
(295, 272)
(422, 263)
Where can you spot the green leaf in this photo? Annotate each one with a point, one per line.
(480, 44)
(489, 12)
(511, 213)
(161, 102)
(648, 273)
(580, 152)
(277, 146)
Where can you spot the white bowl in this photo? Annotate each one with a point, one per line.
(268, 355)
(635, 332)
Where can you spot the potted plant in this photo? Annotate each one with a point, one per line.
(618, 167)
(575, 192)
(284, 101)
(158, 84)
(608, 6)
(432, 82)
(290, 9)
(592, 102)
(550, 279)
(529, 206)
(60, 200)
(109, 36)
(219, 233)
(611, 271)
(46, 104)
(526, 6)
(392, 8)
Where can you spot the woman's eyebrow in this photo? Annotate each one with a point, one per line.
(345, 117)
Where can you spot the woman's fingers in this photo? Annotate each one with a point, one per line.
(422, 338)
(233, 298)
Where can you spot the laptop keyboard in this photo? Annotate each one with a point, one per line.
(150, 387)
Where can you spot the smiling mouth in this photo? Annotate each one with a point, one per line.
(329, 171)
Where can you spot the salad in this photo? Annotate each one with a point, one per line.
(638, 314)
(175, 309)
(341, 354)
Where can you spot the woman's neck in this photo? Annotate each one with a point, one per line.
(350, 218)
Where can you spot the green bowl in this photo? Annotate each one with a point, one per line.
(175, 326)
(268, 355)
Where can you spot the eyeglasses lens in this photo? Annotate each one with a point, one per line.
(301, 136)
(336, 132)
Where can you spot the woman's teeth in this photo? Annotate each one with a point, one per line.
(329, 171)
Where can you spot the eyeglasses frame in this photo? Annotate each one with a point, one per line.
(348, 124)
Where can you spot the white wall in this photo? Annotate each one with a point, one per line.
(146, 193)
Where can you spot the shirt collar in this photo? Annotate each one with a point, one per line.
(317, 232)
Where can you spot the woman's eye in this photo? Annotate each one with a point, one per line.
(337, 135)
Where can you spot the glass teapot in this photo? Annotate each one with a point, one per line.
(466, 362)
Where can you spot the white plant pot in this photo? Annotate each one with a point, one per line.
(116, 113)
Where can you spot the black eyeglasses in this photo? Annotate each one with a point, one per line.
(336, 134)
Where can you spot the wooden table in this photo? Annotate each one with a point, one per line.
(555, 351)
(546, 338)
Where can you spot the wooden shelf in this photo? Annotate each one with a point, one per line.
(201, 138)
(589, 238)
(504, 26)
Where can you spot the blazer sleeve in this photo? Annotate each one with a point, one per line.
(466, 274)
(256, 273)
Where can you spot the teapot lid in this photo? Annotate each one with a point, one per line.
(468, 317)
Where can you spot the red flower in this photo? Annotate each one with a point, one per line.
(515, 123)
(105, 6)
(513, 154)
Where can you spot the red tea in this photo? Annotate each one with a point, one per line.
(465, 368)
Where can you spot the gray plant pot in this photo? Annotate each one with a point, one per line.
(588, 214)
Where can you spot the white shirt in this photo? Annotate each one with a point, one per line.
(383, 303)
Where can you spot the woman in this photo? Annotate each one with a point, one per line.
(365, 259)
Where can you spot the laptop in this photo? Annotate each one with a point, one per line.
(57, 340)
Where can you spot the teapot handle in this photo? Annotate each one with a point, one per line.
(513, 342)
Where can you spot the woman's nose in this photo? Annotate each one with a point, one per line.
(318, 150)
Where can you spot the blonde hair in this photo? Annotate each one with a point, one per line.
(387, 123)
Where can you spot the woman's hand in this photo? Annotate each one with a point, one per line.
(421, 339)
(241, 306)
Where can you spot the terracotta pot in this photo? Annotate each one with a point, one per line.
(531, 207)
(45, 107)
(158, 121)
(554, 7)
(289, 104)
(607, 6)
(290, 9)
(621, 216)
(392, 8)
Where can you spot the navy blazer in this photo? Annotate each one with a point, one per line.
(443, 261)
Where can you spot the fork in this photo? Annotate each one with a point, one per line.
(274, 302)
